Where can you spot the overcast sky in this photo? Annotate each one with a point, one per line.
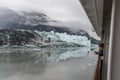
(61, 10)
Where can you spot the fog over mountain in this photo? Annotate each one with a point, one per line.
(68, 12)
(10, 19)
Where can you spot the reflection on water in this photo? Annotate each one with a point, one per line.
(34, 62)
(40, 56)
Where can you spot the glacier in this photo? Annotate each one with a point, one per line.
(55, 37)
(41, 39)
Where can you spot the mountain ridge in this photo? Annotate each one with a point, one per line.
(10, 19)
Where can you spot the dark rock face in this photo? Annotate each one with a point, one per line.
(13, 37)
(94, 41)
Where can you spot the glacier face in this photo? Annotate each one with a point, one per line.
(55, 37)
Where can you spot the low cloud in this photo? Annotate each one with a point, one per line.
(61, 10)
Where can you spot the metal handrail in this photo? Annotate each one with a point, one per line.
(97, 70)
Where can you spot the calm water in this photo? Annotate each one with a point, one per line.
(47, 64)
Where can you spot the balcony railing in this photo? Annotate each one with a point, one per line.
(98, 70)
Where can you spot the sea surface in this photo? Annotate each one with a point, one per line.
(47, 64)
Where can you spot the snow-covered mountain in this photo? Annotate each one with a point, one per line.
(10, 19)
(13, 19)
(42, 39)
